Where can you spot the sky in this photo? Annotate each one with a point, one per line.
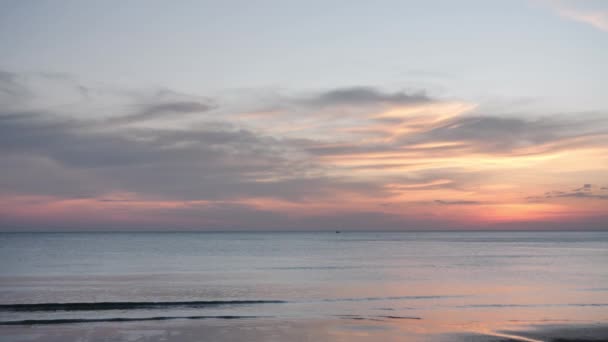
(303, 115)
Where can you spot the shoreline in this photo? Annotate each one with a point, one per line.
(301, 329)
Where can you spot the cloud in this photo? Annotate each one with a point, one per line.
(210, 161)
(582, 195)
(8, 83)
(506, 134)
(585, 187)
(115, 200)
(84, 156)
(535, 198)
(171, 162)
(457, 202)
(35, 175)
(577, 11)
(586, 191)
(357, 96)
(165, 216)
(76, 151)
(164, 110)
(11, 90)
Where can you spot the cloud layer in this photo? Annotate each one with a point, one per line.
(357, 157)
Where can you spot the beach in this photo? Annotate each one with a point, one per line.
(315, 286)
(299, 330)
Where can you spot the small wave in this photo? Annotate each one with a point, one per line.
(118, 319)
(97, 306)
(527, 305)
(377, 318)
(401, 317)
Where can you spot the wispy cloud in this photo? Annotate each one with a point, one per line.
(362, 95)
(577, 11)
(164, 110)
(586, 191)
(457, 202)
(184, 158)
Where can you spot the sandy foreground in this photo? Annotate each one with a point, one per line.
(343, 329)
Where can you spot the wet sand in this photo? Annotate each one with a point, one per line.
(335, 330)
(564, 333)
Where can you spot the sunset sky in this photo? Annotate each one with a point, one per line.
(303, 115)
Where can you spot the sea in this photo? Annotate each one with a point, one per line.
(423, 284)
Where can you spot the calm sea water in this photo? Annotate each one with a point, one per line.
(454, 278)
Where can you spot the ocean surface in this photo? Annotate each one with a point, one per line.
(429, 283)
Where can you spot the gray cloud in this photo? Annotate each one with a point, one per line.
(457, 202)
(7, 82)
(164, 110)
(178, 107)
(35, 175)
(69, 157)
(582, 195)
(114, 200)
(585, 187)
(489, 134)
(321, 149)
(68, 142)
(11, 90)
(74, 154)
(587, 191)
(502, 134)
(357, 96)
(213, 162)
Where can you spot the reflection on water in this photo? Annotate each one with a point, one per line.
(350, 285)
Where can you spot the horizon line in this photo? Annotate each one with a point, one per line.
(310, 231)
